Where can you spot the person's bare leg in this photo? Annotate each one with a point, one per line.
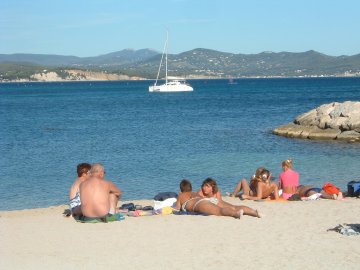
(223, 204)
(113, 199)
(230, 212)
(249, 211)
(246, 210)
(212, 209)
(301, 190)
(241, 185)
(324, 195)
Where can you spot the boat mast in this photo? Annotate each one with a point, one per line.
(162, 56)
(166, 57)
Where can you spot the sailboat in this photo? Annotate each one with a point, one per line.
(231, 80)
(172, 84)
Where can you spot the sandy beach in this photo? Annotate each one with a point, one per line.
(291, 235)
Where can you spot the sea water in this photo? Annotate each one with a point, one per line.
(148, 142)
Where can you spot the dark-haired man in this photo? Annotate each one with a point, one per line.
(83, 170)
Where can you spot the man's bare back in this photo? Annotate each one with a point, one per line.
(95, 197)
(99, 197)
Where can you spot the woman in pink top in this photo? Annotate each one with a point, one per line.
(288, 179)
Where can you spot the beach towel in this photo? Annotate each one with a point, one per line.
(140, 213)
(180, 213)
(105, 219)
(313, 197)
(164, 211)
(161, 204)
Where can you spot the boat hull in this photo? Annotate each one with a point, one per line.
(171, 88)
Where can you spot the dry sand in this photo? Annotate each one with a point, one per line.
(291, 235)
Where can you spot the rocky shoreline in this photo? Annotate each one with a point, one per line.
(333, 121)
(74, 75)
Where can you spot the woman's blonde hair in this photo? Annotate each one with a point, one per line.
(287, 163)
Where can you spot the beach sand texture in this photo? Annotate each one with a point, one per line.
(291, 235)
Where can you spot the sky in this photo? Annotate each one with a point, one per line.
(96, 27)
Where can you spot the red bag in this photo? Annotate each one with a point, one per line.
(330, 188)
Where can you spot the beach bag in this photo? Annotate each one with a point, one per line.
(162, 196)
(330, 188)
(353, 189)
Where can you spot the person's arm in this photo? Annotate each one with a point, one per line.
(276, 191)
(178, 204)
(200, 193)
(72, 192)
(280, 182)
(114, 189)
(218, 196)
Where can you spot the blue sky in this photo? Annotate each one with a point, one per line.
(95, 27)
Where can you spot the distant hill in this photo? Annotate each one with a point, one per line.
(116, 58)
(196, 63)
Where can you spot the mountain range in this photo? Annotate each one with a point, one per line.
(196, 63)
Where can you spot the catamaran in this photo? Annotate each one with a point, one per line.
(172, 84)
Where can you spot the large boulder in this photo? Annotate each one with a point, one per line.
(333, 121)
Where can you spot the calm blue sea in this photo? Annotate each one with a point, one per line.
(148, 142)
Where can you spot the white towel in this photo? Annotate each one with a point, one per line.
(164, 203)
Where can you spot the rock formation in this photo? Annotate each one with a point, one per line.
(334, 121)
(79, 75)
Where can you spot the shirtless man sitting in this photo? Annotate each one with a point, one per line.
(99, 197)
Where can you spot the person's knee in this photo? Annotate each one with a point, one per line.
(113, 197)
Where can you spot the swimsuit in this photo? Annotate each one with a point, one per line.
(75, 202)
(213, 200)
(286, 195)
(183, 207)
(317, 190)
(289, 178)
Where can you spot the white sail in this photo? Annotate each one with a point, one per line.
(172, 84)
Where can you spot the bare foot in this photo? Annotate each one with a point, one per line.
(340, 196)
(242, 196)
(240, 214)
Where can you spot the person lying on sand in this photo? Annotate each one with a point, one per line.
(309, 190)
(99, 197)
(192, 202)
(261, 187)
(210, 189)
